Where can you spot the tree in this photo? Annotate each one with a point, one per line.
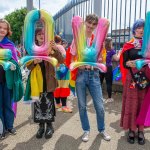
(16, 20)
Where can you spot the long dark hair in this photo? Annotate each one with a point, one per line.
(108, 44)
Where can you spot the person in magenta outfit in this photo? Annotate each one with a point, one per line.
(132, 96)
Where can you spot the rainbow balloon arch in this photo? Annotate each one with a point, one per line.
(145, 52)
(89, 55)
(34, 51)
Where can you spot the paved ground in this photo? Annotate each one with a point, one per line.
(68, 131)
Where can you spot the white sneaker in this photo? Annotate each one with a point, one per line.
(110, 100)
(104, 99)
(85, 136)
(105, 136)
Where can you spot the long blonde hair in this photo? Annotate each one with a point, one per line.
(9, 32)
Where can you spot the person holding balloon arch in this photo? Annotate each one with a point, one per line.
(133, 96)
(84, 55)
(47, 82)
(11, 88)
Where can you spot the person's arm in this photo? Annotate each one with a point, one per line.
(125, 59)
(54, 52)
(116, 57)
(127, 62)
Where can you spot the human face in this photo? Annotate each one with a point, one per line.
(139, 32)
(3, 29)
(90, 27)
(40, 37)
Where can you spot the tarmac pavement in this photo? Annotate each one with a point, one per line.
(68, 130)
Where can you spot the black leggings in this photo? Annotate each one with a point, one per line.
(109, 78)
(63, 100)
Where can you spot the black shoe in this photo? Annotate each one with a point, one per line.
(2, 136)
(40, 131)
(131, 137)
(49, 131)
(12, 131)
(141, 138)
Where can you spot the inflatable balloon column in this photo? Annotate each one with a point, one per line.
(89, 55)
(145, 52)
(5, 56)
(34, 51)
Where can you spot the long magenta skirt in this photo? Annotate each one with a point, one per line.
(132, 101)
(144, 115)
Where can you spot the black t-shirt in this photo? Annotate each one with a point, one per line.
(131, 54)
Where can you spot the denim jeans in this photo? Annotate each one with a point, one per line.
(6, 112)
(90, 79)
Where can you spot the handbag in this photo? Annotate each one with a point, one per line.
(44, 109)
(140, 79)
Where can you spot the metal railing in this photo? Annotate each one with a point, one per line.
(121, 14)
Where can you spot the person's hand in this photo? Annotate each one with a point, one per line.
(12, 67)
(36, 61)
(130, 63)
(118, 54)
(53, 45)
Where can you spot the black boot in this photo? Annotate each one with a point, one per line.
(40, 131)
(49, 131)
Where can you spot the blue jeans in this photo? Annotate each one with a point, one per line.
(90, 79)
(6, 112)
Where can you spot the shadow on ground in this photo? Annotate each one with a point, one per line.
(31, 144)
(2, 146)
(73, 144)
(123, 145)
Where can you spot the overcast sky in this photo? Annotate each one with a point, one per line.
(52, 6)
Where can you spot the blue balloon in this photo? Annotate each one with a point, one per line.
(89, 54)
